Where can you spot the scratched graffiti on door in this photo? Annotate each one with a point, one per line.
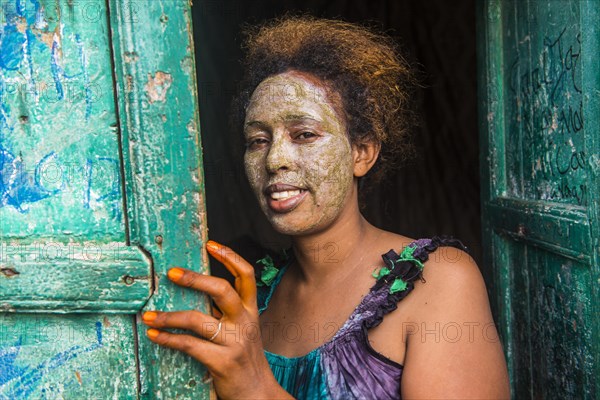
(21, 186)
(22, 381)
(25, 30)
(57, 137)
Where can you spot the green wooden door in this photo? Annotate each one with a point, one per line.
(540, 120)
(101, 192)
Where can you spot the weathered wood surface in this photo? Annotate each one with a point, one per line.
(59, 142)
(156, 84)
(539, 88)
(99, 149)
(58, 278)
(87, 356)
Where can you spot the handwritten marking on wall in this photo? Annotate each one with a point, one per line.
(541, 90)
(549, 112)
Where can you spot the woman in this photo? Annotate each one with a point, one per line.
(324, 111)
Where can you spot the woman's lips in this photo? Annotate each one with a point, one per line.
(283, 198)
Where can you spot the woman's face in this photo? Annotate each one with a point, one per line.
(298, 158)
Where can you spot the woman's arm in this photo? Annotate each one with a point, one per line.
(453, 350)
(230, 346)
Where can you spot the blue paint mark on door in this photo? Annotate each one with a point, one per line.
(26, 379)
(17, 187)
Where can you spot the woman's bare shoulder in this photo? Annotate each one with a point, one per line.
(450, 271)
(451, 291)
(392, 241)
(453, 329)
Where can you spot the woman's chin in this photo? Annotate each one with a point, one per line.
(294, 225)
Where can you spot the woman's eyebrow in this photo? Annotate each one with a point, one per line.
(252, 124)
(289, 118)
(299, 118)
(285, 118)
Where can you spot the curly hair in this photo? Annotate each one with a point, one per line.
(374, 82)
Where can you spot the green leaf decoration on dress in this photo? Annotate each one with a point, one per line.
(381, 273)
(269, 271)
(398, 286)
(407, 255)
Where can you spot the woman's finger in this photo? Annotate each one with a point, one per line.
(195, 321)
(216, 312)
(245, 283)
(207, 353)
(225, 296)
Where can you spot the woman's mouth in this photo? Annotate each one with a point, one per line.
(284, 198)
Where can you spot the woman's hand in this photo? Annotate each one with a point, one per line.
(230, 347)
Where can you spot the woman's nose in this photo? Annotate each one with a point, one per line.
(279, 156)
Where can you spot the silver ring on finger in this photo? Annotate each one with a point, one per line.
(216, 332)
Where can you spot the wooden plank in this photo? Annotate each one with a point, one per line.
(64, 278)
(590, 15)
(157, 102)
(491, 121)
(559, 228)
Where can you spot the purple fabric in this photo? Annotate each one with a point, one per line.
(353, 368)
(354, 371)
(348, 367)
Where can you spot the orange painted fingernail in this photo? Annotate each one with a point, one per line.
(149, 316)
(214, 246)
(152, 333)
(175, 274)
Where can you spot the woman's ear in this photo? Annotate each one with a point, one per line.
(364, 154)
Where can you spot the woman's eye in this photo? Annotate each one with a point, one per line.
(306, 135)
(256, 143)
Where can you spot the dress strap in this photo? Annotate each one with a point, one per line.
(396, 279)
(268, 273)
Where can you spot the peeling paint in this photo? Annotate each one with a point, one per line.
(187, 65)
(129, 85)
(130, 56)
(157, 86)
(78, 376)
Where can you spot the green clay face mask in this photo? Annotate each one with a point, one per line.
(298, 158)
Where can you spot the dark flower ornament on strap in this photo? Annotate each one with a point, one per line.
(402, 270)
(393, 269)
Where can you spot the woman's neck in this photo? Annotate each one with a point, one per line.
(334, 253)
